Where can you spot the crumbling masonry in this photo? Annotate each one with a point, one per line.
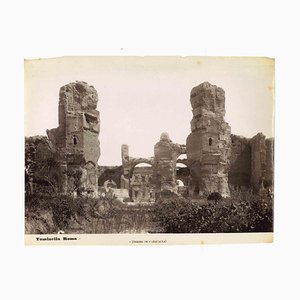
(215, 157)
(209, 144)
(76, 137)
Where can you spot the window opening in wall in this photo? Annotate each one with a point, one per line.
(74, 140)
(210, 141)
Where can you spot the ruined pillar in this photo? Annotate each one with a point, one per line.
(76, 137)
(125, 180)
(164, 166)
(240, 162)
(269, 180)
(125, 160)
(258, 161)
(209, 144)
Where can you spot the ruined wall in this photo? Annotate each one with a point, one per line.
(209, 145)
(251, 162)
(166, 154)
(141, 184)
(240, 161)
(37, 150)
(269, 177)
(262, 162)
(258, 160)
(77, 134)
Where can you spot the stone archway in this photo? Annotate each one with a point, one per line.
(140, 182)
(182, 177)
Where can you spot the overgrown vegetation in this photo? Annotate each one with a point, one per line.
(47, 210)
(51, 214)
(243, 212)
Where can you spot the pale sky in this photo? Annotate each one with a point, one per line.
(141, 97)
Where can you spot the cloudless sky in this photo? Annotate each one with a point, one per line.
(141, 97)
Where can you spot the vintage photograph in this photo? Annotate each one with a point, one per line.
(148, 146)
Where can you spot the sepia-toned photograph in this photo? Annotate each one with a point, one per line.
(149, 150)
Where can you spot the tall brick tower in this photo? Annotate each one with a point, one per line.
(209, 144)
(76, 137)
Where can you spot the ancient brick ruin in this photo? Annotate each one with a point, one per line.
(251, 162)
(215, 158)
(166, 154)
(76, 137)
(209, 144)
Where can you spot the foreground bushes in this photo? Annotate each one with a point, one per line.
(243, 212)
(51, 214)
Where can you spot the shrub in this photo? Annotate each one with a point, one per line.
(62, 208)
(243, 212)
(214, 196)
(46, 214)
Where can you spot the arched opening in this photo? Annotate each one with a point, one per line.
(143, 165)
(110, 173)
(179, 183)
(180, 165)
(141, 189)
(74, 140)
(210, 141)
(182, 157)
(182, 172)
(182, 178)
